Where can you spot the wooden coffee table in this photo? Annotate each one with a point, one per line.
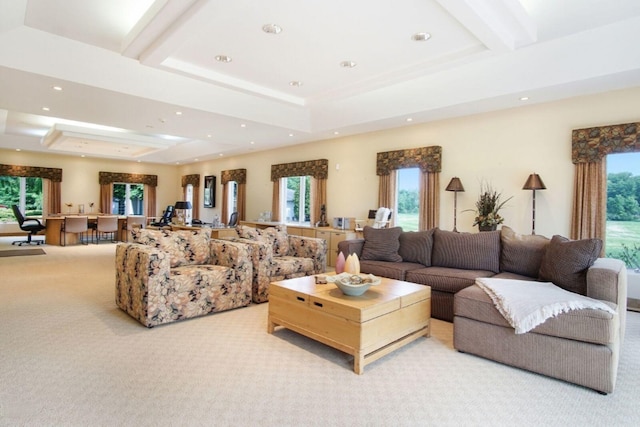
(383, 319)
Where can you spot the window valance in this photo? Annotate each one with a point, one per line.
(193, 179)
(237, 175)
(54, 174)
(428, 159)
(318, 169)
(591, 145)
(129, 178)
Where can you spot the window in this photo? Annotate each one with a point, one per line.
(128, 199)
(295, 199)
(26, 192)
(232, 197)
(623, 208)
(407, 199)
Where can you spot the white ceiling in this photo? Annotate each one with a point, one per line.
(126, 67)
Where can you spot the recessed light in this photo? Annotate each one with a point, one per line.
(58, 88)
(220, 154)
(272, 28)
(223, 58)
(348, 64)
(178, 113)
(421, 37)
(45, 108)
(336, 133)
(290, 134)
(524, 98)
(251, 142)
(208, 136)
(409, 119)
(295, 83)
(242, 125)
(17, 149)
(195, 160)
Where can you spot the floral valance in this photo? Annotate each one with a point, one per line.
(54, 174)
(318, 169)
(193, 179)
(591, 145)
(237, 175)
(129, 178)
(428, 159)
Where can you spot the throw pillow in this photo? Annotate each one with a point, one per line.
(278, 238)
(565, 262)
(468, 251)
(521, 254)
(416, 246)
(381, 244)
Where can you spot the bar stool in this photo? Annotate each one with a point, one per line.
(107, 224)
(74, 224)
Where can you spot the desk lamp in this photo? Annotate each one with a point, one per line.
(181, 208)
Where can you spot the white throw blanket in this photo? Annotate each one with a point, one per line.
(527, 304)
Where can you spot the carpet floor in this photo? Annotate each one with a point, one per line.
(70, 357)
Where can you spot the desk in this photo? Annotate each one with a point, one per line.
(54, 224)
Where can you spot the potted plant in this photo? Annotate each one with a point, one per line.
(487, 209)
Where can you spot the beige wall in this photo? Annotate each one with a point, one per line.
(502, 148)
(80, 177)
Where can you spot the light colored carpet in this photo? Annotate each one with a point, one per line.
(69, 357)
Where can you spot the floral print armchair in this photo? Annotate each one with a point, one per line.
(165, 276)
(277, 255)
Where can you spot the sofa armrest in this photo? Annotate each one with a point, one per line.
(309, 247)
(351, 246)
(235, 255)
(141, 272)
(607, 280)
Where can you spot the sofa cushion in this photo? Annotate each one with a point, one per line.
(469, 251)
(245, 232)
(565, 262)
(185, 247)
(521, 254)
(391, 270)
(381, 244)
(589, 325)
(416, 246)
(444, 279)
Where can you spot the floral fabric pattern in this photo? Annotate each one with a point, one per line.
(306, 256)
(154, 293)
(185, 247)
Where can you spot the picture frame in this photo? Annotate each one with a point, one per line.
(210, 191)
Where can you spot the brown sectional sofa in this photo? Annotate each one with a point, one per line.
(580, 346)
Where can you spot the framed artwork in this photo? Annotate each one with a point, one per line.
(210, 191)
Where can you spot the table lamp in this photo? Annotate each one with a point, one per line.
(181, 208)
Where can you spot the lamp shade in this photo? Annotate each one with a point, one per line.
(455, 185)
(183, 205)
(534, 182)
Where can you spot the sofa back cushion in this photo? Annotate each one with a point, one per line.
(416, 246)
(185, 247)
(381, 244)
(565, 262)
(521, 254)
(468, 251)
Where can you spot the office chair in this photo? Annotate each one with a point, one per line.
(166, 217)
(32, 225)
(233, 219)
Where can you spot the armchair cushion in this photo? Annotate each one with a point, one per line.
(276, 236)
(185, 247)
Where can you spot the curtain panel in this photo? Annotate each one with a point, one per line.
(240, 178)
(589, 147)
(429, 161)
(193, 179)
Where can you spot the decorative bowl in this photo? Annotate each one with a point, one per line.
(354, 284)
